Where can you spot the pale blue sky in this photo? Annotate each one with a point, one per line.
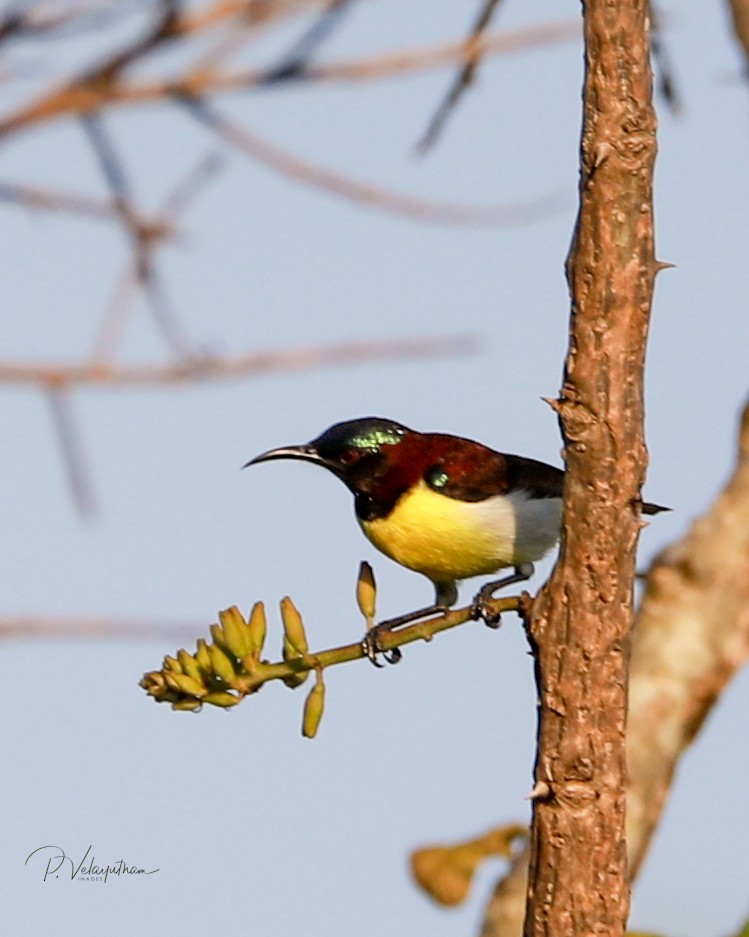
(252, 828)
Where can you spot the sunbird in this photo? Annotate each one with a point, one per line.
(444, 506)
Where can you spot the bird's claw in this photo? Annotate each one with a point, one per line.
(482, 608)
(371, 647)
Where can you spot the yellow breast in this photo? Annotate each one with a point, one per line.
(446, 539)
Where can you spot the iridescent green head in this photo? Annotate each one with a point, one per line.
(351, 450)
(366, 435)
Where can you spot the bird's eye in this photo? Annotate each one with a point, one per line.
(348, 457)
(437, 477)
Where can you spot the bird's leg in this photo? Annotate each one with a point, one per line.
(446, 595)
(481, 603)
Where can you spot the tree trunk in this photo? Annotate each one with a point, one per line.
(581, 619)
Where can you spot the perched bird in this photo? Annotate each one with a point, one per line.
(447, 507)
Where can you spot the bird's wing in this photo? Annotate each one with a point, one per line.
(469, 471)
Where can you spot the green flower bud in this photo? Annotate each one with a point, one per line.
(293, 627)
(221, 698)
(187, 705)
(203, 658)
(366, 592)
(219, 639)
(189, 665)
(235, 631)
(314, 706)
(188, 685)
(221, 665)
(257, 628)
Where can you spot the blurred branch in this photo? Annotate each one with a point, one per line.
(85, 95)
(297, 60)
(739, 10)
(148, 234)
(690, 638)
(255, 364)
(663, 66)
(67, 627)
(80, 481)
(142, 237)
(172, 51)
(336, 183)
(463, 80)
(43, 199)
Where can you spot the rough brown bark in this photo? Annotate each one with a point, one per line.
(691, 637)
(581, 621)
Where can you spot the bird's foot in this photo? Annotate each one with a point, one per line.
(482, 604)
(371, 647)
(482, 608)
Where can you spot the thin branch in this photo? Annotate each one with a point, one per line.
(80, 97)
(120, 306)
(297, 60)
(233, 668)
(117, 314)
(666, 79)
(462, 81)
(191, 186)
(94, 628)
(184, 193)
(167, 26)
(163, 311)
(740, 21)
(423, 210)
(44, 199)
(254, 365)
(70, 440)
(112, 169)
(142, 239)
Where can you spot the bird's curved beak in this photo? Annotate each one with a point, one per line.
(305, 453)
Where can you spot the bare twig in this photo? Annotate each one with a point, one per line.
(666, 80)
(80, 481)
(193, 183)
(117, 314)
(167, 26)
(38, 198)
(335, 183)
(462, 81)
(81, 97)
(142, 238)
(253, 365)
(96, 628)
(44, 199)
(297, 60)
(740, 20)
(154, 231)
